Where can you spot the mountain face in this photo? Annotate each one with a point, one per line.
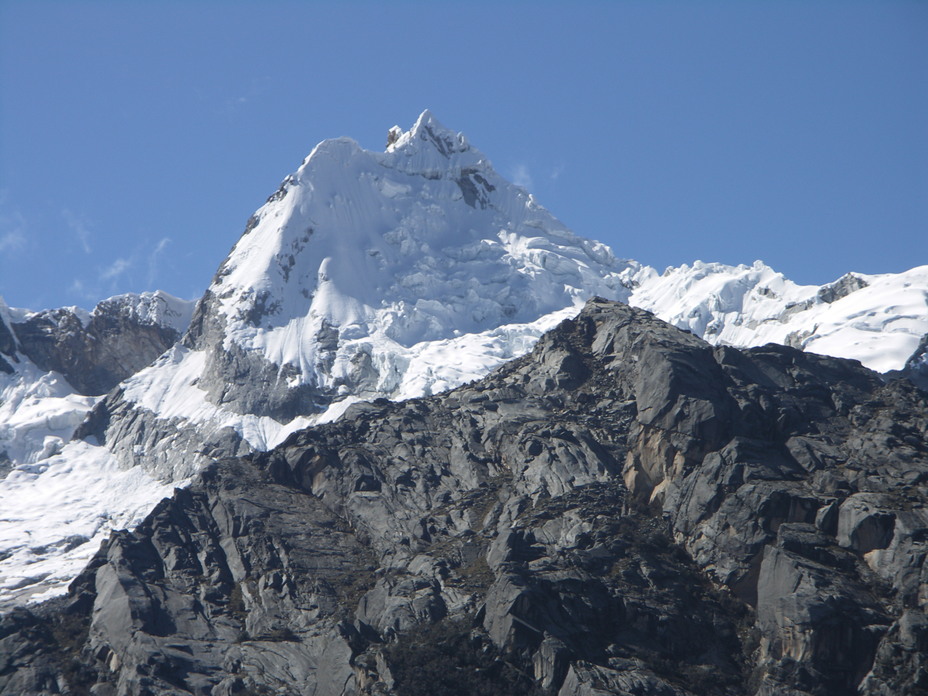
(96, 352)
(400, 274)
(876, 319)
(625, 510)
(361, 256)
(61, 498)
(53, 363)
(367, 275)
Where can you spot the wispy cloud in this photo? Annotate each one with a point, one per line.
(248, 93)
(79, 227)
(154, 259)
(556, 172)
(12, 240)
(78, 288)
(123, 273)
(234, 104)
(116, 269)
(521, 176)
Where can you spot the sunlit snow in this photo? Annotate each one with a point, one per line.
(55, 513)
(423, 261)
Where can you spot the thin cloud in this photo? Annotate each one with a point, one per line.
(103, 284)
(250, 92)
(154, 259)
(116, 269)
(11, 241)
(79, 227)
(521, 176)
(122, 271)
(230, 106)
(12, 227)
(78, 288)
(556, 172)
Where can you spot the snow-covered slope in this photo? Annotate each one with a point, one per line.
(40, 406)
(407, 272)
(60, 499)
(876, 319)
(367, 275)
(55, 512)
(39, 410)
(360, 256)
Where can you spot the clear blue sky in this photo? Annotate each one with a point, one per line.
(136, 138)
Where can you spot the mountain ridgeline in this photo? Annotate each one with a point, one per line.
(427, 440)
(625, 510)
(95, 351)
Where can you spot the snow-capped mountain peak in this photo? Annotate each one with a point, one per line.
(360, 255)
(428, 145)
(367, 274)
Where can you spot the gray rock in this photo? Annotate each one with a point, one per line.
(623, 511)
(95, 353)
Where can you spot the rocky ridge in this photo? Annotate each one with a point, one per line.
(96, 351)
(367, 275)
(54, 363)
(404, 273)
(625, 510)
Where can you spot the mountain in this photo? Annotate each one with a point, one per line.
(360, 256)
(61, 498)
(367, 275)
(625, 510)
(876, 319)
(400, 274)
(52, 364)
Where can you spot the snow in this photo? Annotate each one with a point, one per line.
(56, 513)
(386, 245)
(38, 412)
(421, 260)
(879, 324)
(61, 499)
(169, 388)
(157, 307)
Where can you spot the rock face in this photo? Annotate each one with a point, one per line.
(916, 367)
(7, 343)
(97, 351)
(55, 363)
(625, 510)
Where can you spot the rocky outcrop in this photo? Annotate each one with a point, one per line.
(169, 449)
(8, 344)
(916, 367)
(842, 287)
(626, 510)
(96, 351)
(7, 348)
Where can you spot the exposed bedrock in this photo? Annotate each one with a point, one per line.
(97, 351)
(245, 381)
(169, 449)
(625, 510)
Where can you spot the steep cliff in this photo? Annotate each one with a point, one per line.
(95, 351)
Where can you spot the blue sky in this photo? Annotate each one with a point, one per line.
(136, 138)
